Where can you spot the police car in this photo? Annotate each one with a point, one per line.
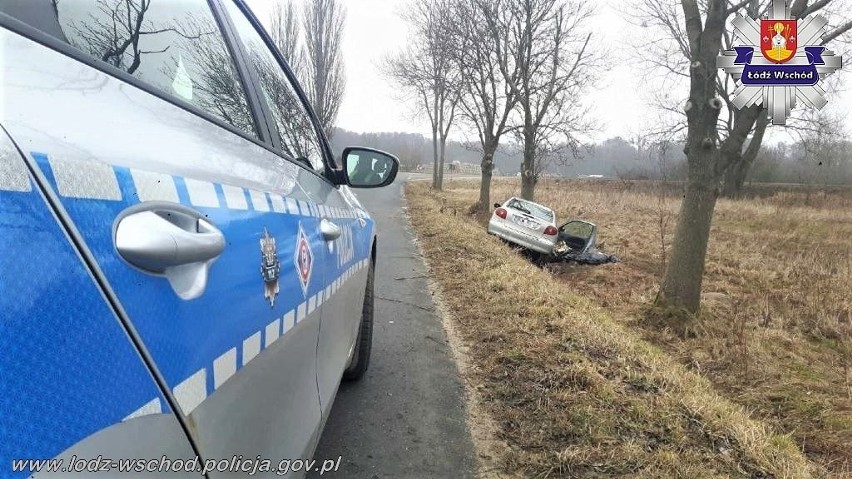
(184, 270)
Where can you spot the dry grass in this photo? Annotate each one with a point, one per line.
(776, 331)
(573, 387)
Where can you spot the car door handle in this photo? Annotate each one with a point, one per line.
(329, 230)
(157, 240)
(169, 240)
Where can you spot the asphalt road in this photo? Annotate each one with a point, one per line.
(406, 417)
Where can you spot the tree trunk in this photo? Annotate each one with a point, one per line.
(443, 146)
(436, 182)
(685, 269)
(681, 285)
(487, 167)
(740, 164)
(735, 177)
(528, 178)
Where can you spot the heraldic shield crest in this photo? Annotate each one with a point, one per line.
(778, 39)
(270, 269)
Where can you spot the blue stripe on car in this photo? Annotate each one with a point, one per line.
(190, 373)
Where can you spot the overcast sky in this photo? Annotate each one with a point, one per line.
(374, 29)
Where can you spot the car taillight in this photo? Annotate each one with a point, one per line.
(501, 213)
(550, 231)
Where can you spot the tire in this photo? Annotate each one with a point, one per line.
(364, 343)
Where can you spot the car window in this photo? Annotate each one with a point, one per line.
(534, 209)
(175, 46)
(516, 204)
(579, 229)
(293, 125)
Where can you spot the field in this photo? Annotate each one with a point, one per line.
(583, 379)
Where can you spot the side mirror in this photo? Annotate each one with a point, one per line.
(497, 205)
(369, 168)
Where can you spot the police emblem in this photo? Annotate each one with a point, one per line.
(303, 259)
(270, 269)
(784, 73)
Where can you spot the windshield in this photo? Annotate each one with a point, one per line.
(531, 208)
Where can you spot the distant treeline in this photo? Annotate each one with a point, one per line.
(801, 162)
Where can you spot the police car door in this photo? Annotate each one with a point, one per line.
(146, 129)
(341, 262)
(74, 388)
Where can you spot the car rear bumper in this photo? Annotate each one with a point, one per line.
(518, 236)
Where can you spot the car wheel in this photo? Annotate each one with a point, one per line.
(364, 343)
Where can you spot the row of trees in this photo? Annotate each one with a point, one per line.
(310, 37)
(517, 67)
(820, 158)
(499, 67)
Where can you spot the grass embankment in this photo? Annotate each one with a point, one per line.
(573, 391)
(775, 333)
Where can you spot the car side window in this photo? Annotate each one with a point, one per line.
(175, 46)
(578, 229)
(293, 124)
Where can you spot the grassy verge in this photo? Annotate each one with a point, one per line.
(775, 333)
(572, 391)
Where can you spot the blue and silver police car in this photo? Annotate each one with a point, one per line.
(185, 274)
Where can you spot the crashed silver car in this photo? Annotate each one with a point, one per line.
(533, 227)
(524, 223)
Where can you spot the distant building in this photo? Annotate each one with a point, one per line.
(460, 168)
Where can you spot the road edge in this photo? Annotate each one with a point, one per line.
(488, 448)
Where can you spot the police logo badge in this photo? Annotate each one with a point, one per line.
(270, 269)
(790, 68)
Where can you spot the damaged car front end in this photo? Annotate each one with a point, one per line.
(576, 241)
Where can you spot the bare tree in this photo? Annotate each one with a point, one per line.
(663, 148)
(669, 55)
(550, 156)
(325, 76)
(743, 159)
(546, 60)
(145, 41)
(217, 87)
(427, 70)
(486, 100)
(284, 28)
(116, 33)
(292, 126)
(825, 151)
(708, 154)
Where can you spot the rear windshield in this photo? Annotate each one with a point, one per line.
(531, 208)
